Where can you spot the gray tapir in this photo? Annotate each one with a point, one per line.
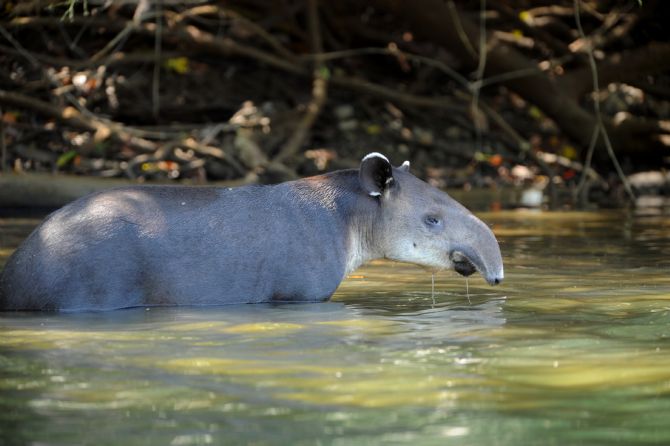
(295, 241)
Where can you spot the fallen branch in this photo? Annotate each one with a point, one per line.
(214, 152)
(36, 190)
(621, 67)
(72, 117)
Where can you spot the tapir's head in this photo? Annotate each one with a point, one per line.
(421, 224)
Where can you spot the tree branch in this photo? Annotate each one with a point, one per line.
(72, 117)
(319, 87)
(626, 66)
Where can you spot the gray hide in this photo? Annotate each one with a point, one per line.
(295, 241)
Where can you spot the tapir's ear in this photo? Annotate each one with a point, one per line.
(404, 166)
(375, 174)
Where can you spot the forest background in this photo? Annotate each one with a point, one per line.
(567, 98)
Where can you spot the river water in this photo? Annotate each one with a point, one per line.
(572, 349)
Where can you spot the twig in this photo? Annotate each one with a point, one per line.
(626, 23)
(139, 15)
(597, 37)
(25, 53)
(481, 66)
(72, 46)
(319, 88)
(71, 116)
(475, 87)
(364, 86)
(207, 41)
(562, 11)
(214, 152)
(540, 35)
(118, 58)
(114, 42)
(156, 77)
(444, 68)
(67, 116)
(225, 13)
(596, 108)
(460, 31)
(587, 162)
(522, 143)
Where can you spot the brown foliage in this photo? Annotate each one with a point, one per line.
(253, 90)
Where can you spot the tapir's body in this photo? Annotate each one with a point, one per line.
(171, 245)
(168, 245)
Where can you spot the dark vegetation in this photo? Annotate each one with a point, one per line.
(474, 93)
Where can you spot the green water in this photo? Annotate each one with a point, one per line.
(573, 349)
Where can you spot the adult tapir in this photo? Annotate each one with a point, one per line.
(295, 241)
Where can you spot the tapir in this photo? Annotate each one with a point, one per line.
(290, 242)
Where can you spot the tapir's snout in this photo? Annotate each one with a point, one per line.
(495, 279)
(475, 248)
(468, 264)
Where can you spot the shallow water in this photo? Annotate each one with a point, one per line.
(573, 348)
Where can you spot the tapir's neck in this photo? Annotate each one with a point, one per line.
(341, 195)
(364, 243)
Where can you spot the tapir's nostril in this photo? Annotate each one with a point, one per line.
(495, 280)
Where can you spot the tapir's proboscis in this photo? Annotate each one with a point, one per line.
(290, 242)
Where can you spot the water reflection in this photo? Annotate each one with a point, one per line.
(572, 349)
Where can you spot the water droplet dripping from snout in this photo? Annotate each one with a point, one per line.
(432, 288)
(467, 291)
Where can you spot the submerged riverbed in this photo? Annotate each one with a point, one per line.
(573, 348)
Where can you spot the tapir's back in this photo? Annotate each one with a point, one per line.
(166, 245)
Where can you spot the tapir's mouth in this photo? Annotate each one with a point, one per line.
(462, 264)
(464, 267)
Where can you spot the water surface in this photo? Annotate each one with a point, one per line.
(573, 348)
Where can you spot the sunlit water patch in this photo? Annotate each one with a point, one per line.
(573, 348)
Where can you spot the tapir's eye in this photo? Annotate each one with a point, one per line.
(432, 221)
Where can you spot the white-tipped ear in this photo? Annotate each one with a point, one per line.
(375, 174)
(375, 155)
(404, 166)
